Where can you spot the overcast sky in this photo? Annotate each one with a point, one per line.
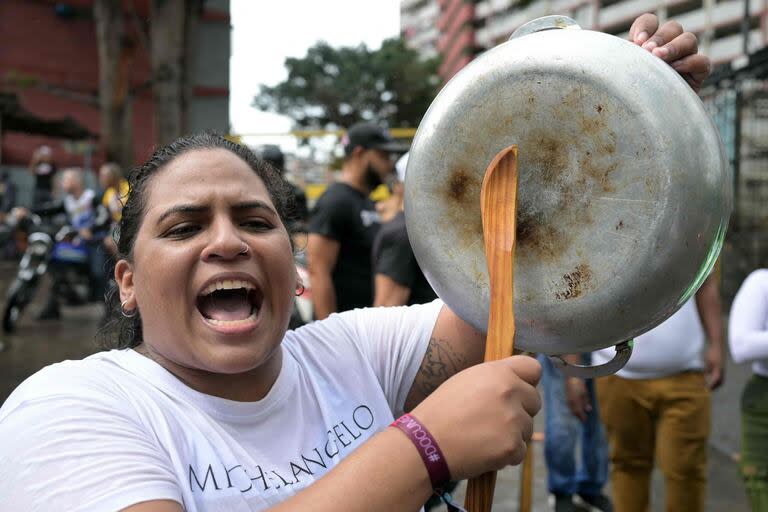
(265, 32)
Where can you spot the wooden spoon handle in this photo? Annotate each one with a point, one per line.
(498, 201)
(480, 492)
(498, 204)
(526, 481)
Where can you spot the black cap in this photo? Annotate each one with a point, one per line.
(273, 155)
(370, 136)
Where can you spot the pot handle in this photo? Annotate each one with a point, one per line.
(623, 351)
(545, 23)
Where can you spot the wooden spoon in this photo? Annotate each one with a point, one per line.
(498, 206)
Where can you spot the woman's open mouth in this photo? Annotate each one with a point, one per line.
(230, 303)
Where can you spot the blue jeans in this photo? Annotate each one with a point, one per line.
(563, 430)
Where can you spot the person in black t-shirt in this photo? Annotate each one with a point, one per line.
(398, 278)
(344, 222)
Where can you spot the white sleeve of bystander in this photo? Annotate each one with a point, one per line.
(748, 323)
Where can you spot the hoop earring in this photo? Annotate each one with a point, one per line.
(300, 289)
(131, 314)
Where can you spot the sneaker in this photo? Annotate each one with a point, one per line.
(564, 503)
(594, 502)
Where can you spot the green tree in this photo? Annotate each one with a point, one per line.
(335, 87)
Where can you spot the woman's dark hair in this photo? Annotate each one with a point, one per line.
(120, 331)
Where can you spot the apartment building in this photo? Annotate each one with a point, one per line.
(459, 29)
(418, 24)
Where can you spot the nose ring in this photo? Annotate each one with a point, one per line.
(244, 250)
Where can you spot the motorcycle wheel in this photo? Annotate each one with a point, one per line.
(18, 297)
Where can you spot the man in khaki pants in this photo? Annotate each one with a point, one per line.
(657, 408)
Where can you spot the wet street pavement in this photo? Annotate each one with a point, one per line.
(36, 344)
(39, 343)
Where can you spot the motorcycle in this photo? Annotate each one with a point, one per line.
(53, 246)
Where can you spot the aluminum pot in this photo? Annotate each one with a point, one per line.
(624, 187)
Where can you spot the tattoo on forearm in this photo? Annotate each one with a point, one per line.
(439, 364)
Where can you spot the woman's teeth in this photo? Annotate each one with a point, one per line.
(251, 318)
(227, 284)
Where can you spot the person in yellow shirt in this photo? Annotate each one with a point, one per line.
(115, 189)
(115, 194)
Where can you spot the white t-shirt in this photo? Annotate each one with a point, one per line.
(674, 346)
(80, 210)
(116, 428)
(748, 324)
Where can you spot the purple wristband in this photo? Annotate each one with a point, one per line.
(430, 453)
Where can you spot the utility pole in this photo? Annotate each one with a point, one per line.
(745, 29)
